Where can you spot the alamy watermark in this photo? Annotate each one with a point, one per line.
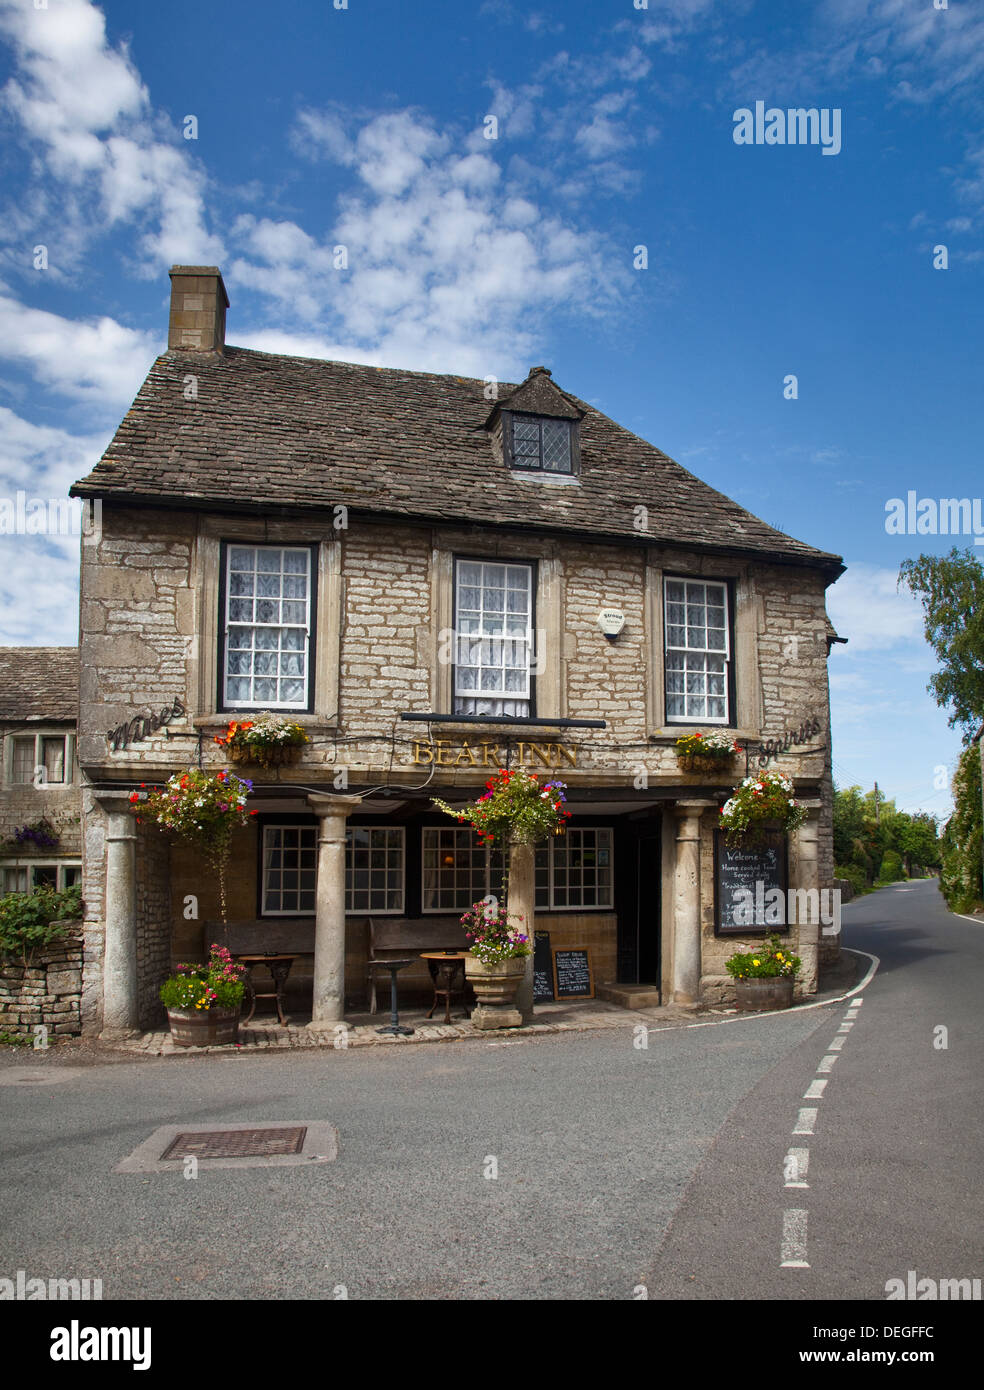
(775, 907)
(21, 515)
(931, 516)
(24, 1287)
(794, 125)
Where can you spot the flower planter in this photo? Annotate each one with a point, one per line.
(495, 989)
(203, 1027)
(275, 755)
(694, 762)
(763, 995)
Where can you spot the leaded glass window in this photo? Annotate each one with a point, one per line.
(541, 443)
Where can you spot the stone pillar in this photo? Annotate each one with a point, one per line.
(121, 1008)
(329, 928)
(686, 902)
(804, 873)
(519, 904)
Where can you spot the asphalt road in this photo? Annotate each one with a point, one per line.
(598, 1145)
(897, 1149)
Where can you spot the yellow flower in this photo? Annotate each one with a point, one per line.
(755, 962)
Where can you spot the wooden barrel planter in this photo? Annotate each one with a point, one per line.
(764, 995)
(203, 1027)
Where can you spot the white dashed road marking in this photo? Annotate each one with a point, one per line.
(797, 1166)
(794, 1239)
(814, 1091)
(805, 1121)
(827, 1062)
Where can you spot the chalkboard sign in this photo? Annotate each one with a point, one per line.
(745, 880)
(572, 973)
(542, 969)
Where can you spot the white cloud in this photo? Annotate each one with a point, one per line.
(450, 266)
(866, 607)
(100, 362)
(108, 157)
(39, 574)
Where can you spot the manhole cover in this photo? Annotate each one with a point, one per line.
(255, 1144)
(237, 1143)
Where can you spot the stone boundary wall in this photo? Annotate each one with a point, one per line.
(48, 991)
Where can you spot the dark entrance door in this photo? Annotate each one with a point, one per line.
(638, 886)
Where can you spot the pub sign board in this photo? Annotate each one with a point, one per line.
(572, 972)
(744, 878)
(543, 988)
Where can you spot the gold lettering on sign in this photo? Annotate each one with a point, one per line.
(441, 752)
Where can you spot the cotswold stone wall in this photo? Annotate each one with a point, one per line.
(150, 635)
(46, 992)
(153, 921)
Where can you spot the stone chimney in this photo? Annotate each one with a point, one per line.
(198, 308)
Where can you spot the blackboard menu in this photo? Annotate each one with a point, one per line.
(542, 968)
(572, 973)
(746, 878)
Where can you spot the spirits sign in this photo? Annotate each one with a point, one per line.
(143, 725)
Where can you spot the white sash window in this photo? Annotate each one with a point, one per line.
(494, 638)
(267, 639)
(698, 652)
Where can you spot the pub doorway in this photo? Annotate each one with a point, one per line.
(638, 887)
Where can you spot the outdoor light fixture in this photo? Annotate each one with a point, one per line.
(611, 621)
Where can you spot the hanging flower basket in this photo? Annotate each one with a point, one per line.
(711, 752)
(269, 740)
(515, 808)
(201, 808)
(760, 804)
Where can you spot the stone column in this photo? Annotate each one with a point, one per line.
(329, 929)
(519, 904)
(804, 873)
(686, 902)
(121, 1008)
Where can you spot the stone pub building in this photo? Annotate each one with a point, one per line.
(435, 576)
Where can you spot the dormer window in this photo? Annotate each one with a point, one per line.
(540, 442)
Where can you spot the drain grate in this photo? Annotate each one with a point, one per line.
(236, 1143)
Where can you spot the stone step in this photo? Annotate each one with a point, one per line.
(629, 996)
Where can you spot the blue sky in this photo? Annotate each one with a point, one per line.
(367, 127)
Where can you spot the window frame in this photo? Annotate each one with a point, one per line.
(573, 435)
(39, 734)
(377, 911)
(488, 850)
(293, 821)
(59, 865)
(223, 706)
(729, 721)
(531, 565)
(556, 842)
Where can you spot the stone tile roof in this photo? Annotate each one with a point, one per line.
(42, 682)
(296, 432)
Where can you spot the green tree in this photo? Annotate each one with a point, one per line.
(951, 589)
(916, 838)
(961, 841)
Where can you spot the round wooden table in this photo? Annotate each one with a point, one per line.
(446, 964)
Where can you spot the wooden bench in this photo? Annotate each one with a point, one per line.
(393, 937)
(270, 936)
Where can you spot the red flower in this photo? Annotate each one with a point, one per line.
(134, 796)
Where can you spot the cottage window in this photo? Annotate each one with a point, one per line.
(374, 869)
(33, 752)
(575, 870)
(494, 638)
(540, 443)
(698, 652)
(457, 870)
(267, 627)
(23, 878)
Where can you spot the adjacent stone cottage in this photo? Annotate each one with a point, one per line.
(435, 576)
